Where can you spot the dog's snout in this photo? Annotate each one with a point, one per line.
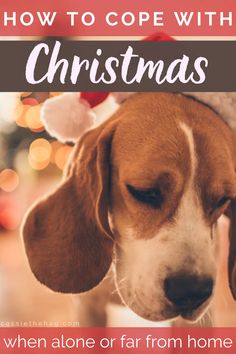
(188, 292)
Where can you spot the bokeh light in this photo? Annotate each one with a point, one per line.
(55, 145)
(9, 218)
(61, 156)
(25, 94)
(31, 101)
(52, 94)
(39, 154)
(21, 115)
(9, 180)
(32, 119)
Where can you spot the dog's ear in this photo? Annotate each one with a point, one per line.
(67, 237)
(232, 248)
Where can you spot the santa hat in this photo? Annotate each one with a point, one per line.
(68, 116)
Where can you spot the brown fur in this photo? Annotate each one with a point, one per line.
(67, 238)
(67, 235)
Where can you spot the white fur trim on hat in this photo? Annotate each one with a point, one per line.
(67, 117)
(224, 103)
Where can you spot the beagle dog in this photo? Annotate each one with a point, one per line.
(142, 192)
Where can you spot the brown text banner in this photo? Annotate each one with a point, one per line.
(117, 66)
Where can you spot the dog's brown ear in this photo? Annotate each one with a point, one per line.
(67, 237)
(232, 248)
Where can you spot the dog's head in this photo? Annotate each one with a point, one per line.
(144, 189)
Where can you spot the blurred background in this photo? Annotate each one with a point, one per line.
(31, 163)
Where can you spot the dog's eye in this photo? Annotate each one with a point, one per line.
(152, 197)
(222, 201)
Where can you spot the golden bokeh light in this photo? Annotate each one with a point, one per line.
(39, 154)
(20, 118)
(55, 146)
(32, 118)
(38, 165)
(61, 156)
(9, 218)
(25, 94)
(53, 94)
(9, 180)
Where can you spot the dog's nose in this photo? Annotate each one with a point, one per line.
(187, 292)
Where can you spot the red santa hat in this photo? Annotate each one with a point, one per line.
(68, 116)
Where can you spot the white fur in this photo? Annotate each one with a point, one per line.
(67, 117)
(143, 264)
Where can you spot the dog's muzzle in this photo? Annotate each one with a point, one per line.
(187, 292)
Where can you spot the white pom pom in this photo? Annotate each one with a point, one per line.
(67, 117)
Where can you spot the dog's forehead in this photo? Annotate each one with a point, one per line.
(150, 139)
(150, 135)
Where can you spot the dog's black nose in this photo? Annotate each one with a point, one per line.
(187, 292)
